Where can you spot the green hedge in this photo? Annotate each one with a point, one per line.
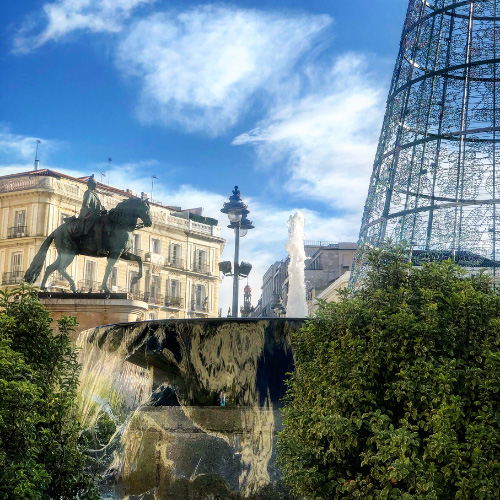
(396, 391)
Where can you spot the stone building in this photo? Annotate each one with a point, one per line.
(325, 263)
(181, 253)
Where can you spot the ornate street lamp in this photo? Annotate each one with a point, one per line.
(237, 213)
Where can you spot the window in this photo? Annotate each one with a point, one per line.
(155, 245)
(16, 263)
(316, 264)
(200, 263)
(20, 220)
(113, 277)
(200, 298)
(155, 286)
(137, 244)
(134, 289)
(175, 288)
(175, 255)
(19, 228)
(90, 273)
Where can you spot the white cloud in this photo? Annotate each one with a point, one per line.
(21, 148)
(326, 138)
(199, 69)
(63, 17)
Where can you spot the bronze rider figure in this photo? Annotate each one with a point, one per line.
(90, 215)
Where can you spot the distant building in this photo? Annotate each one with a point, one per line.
(330, 293)
(325, 263)
(181, 251)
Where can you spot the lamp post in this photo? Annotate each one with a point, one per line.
(237, 212)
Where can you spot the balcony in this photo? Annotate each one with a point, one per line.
(56, 279)
(154, 299)
(12, 278)
(176, 262)
(136, 294)
(200, 307)
(175, 302)
(201, 267)
(17, 232)
(89, 286)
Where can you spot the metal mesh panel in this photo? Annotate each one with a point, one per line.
(435, 184)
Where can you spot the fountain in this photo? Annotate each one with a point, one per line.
(193, 406)
(296, 306)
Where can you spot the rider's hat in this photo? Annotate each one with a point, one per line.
(91, 180)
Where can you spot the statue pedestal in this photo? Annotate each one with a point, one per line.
(93, 309)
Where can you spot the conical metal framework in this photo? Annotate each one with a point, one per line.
(435, 181)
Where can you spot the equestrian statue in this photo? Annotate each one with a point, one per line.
(96, 233)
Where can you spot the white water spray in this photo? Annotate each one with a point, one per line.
(296, 306)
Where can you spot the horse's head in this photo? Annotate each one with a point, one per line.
(145, 213)
(128, 211)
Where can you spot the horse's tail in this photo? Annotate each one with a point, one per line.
(31, 275)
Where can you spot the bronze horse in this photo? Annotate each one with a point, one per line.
(118, 223)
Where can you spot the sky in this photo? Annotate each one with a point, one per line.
(283, 98)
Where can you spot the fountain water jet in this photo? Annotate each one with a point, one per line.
(296, 306)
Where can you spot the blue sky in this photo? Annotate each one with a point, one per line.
(283, 98)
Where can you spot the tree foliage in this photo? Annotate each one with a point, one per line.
(39, 454)
(396, 391)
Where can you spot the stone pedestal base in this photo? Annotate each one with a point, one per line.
(93, 309)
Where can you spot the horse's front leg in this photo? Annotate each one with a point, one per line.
(134, 258)
(112, 258)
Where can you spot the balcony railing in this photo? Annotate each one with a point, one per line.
(173, 301)
(200, 307)
(178, 263)
(56, 279)
(153, 298)
(136, 294)
(12, 278)
(17, 231)
(89, 286)
(201, 267)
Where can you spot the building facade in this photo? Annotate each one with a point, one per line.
(325, 263)
(180, 251)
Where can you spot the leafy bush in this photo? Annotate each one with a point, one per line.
(39, 454)
(396, 391)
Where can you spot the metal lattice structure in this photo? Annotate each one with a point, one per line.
(436, 179)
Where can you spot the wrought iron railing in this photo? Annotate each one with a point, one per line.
(17, 231)
(174, 301)
(136, 294)
(12, 278)
(57, 279)
(201, 267)
(89, 286)
(177, 263)
(153, 298)
(199, 307)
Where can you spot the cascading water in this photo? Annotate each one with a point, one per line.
(296, 306)
(159, 387)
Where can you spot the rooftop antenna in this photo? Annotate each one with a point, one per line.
(153, 177)
(37, 162)
(109, 169)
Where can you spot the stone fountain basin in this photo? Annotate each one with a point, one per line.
(178, 430)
